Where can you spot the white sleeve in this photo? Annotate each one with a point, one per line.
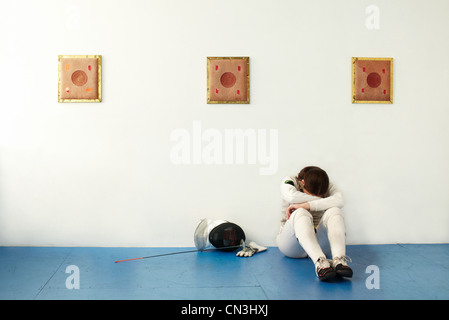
(335, 199)
(290, 194)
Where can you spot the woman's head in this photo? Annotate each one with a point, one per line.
(314, 181)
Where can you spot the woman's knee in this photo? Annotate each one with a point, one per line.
(332, 213)
(300, 212)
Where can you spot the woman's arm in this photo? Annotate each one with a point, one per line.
(335, 199)
(296, 206)
(290, 194)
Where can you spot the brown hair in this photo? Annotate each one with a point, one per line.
(315, 179)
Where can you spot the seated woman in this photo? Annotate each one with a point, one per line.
(312, 220)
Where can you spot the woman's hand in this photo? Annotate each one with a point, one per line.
(296, 206)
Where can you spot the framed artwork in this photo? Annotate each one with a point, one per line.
(79, 78)
(372, 80)
(228, 80)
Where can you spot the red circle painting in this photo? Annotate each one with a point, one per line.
(374, 80)
(79, 78)
(228, 79)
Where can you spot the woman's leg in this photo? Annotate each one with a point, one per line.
(298, 239)
(305, 233)
(288, 243)
(334, 223)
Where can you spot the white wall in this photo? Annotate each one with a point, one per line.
(102, 174)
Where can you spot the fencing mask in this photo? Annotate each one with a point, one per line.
(221, 234)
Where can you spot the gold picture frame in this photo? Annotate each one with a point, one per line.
(372, 80)
(228, 80)
(79, 78)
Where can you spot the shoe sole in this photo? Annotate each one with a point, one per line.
(328, 276)
(344, 273)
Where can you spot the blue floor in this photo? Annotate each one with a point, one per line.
(404, 272)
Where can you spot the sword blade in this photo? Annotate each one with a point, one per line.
(179, 252)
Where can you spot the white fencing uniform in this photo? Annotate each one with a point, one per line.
(313, 233)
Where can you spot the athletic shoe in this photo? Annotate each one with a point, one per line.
(324, 270)
(340, 265)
